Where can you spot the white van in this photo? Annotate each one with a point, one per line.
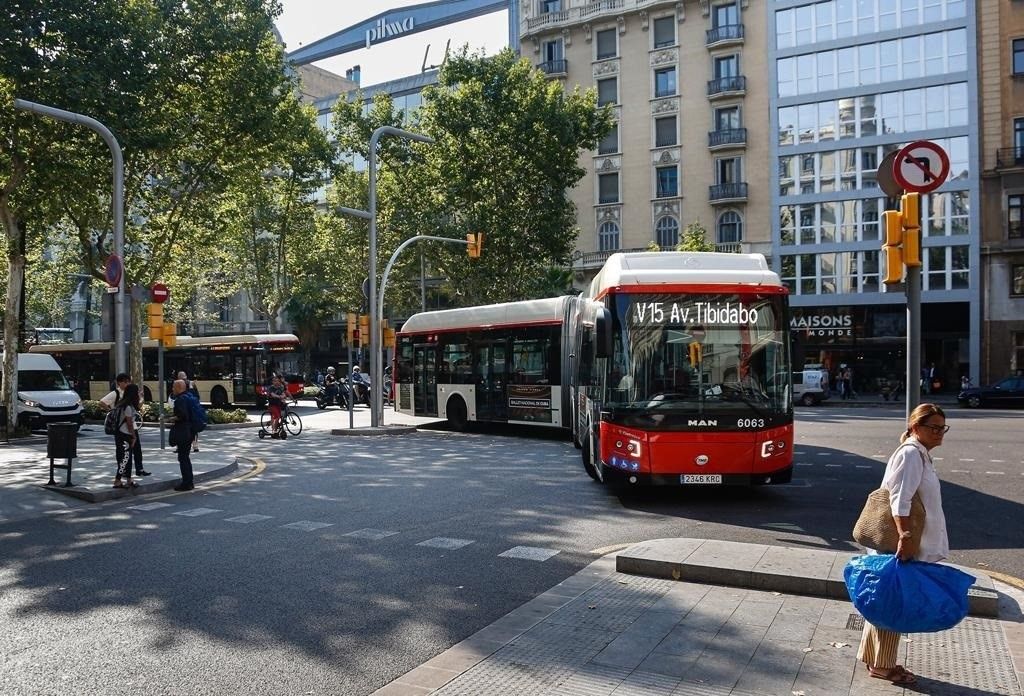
(810, 386)
(44, 395)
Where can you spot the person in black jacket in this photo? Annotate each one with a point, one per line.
(182, 435)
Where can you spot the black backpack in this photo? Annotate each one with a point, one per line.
(113, 419)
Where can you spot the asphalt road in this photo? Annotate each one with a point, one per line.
(368, 556)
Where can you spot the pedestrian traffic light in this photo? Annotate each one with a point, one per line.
(155, 312)
(902, 237)
(169, 335)
(476, 243)
(350, 328)
(696, 353)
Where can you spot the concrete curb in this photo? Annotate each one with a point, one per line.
(104, 494)
(379, 430)
(813, 572)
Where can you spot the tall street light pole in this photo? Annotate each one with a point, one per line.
(376, 367)
(120, 355)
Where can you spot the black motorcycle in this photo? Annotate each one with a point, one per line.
(335, 395)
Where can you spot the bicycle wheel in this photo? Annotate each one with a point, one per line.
(292, 423)
(265, 421)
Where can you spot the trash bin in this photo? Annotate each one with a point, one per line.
(3, 422)
(62, 440)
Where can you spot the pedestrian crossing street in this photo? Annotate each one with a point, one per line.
(525, 553)
(998, 466)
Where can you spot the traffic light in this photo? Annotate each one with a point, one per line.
(155, 312)
(169, 334)
(350, 328)
(902, 237)
(696, 354)
(364, 329)
(476, 244)
(388, 334)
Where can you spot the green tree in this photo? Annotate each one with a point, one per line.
(695, 238)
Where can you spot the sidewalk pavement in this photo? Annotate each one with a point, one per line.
(623, 626)
(25, 471)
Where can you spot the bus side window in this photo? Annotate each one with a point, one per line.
(586, 356)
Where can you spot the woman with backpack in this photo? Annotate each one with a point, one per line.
(125, 435)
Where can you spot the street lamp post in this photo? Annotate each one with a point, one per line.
(120, 354)
(376, 368)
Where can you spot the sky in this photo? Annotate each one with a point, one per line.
(305, 21)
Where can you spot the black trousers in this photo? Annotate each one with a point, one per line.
(136, 453)
(185, 464)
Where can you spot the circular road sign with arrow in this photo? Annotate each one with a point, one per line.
(921, 166)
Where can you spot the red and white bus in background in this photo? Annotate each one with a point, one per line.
(494, 363)
(683, 371)
(673, 369)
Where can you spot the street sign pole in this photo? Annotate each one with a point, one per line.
(160, 388)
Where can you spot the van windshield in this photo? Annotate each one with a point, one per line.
(42, 380)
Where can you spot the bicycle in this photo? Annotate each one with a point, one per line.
(290, 424)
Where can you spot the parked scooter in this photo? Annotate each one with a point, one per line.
(360, 386)
(334, 395)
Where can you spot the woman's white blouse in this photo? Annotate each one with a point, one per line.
(910, 470)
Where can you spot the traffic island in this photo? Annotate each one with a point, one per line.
(379, 430)
(95, 483)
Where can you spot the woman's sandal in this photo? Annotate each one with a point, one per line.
(130, 484)
(898, 675)
(119, 484)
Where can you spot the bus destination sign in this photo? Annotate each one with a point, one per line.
(681, 313)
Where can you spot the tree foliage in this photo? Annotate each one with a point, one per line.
(694, 238)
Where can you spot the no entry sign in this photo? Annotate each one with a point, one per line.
(159, 292)
(921, 166)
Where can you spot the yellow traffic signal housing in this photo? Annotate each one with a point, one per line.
(350, 327)
(696, 353)
(364, 329)
(389, 338)
(476, 243)
(170, 334)
(892, 222)
(155, 313)
(910, 216)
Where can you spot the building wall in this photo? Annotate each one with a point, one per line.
(578, 27)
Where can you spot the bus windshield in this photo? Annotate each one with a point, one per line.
(676, 356)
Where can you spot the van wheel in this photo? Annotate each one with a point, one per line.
(808, 400)
(219, 398)
(457, 413)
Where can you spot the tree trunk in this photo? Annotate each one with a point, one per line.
(15, 281)
(136, 315)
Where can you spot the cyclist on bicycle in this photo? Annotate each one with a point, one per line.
(276, 393)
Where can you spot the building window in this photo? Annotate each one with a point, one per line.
(727, 118)
(725, 16)
(606, 44)
(1018, 56)
(1015, 216)
(730, 228)
(1018, 351)
(664, 31)
(665, 82)
(666, 232)
(727, 66)
(665, 131)
(608, 236)
(668, 181)
(1018, 140)
(548, 6)
(727, 170)
(607, 91)
(553, 50)
(610, 142)
(608, 188)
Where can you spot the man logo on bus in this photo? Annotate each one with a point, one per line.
(701, 422)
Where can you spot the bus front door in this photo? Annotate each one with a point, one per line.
(244, 380)
(425, 380)
(489, 365)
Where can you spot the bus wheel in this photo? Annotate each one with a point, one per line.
(219, 398)
(457, 413)
(588, 464)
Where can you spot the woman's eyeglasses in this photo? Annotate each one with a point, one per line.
(937, 429)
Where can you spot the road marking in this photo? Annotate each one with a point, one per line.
(998, 461)
(879, 456)
(307, 526)
(197, 512)
(967, 460)
(996, 473)
(528, 553)
(370, 533)
(824, 454)
(863, 466)
(445, 543)
(804, 464)
(832, 465)
(249, 519)
(799, 452)
(850, 454)
(151, 506)
(959, 471)
(604, 550)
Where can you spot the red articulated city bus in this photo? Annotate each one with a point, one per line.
(683, 371)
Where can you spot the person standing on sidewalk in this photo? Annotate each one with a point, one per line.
(910, 470)
(126, 436)
(191, 392)
(107, 403)
(182, 434)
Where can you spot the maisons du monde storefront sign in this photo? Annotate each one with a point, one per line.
(831, 323)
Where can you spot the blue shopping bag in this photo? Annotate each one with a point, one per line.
(907, 596)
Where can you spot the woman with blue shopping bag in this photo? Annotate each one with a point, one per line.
(910, 471)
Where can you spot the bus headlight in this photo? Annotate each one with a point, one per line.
(771, 448)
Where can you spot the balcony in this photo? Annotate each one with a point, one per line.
(555, 68)
(725, 36)
(728, 193)
(595, 259)
(729, 248)
(727, 137)
(735, 85)
(224, 328)
(1009, 157)
(546, 19)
